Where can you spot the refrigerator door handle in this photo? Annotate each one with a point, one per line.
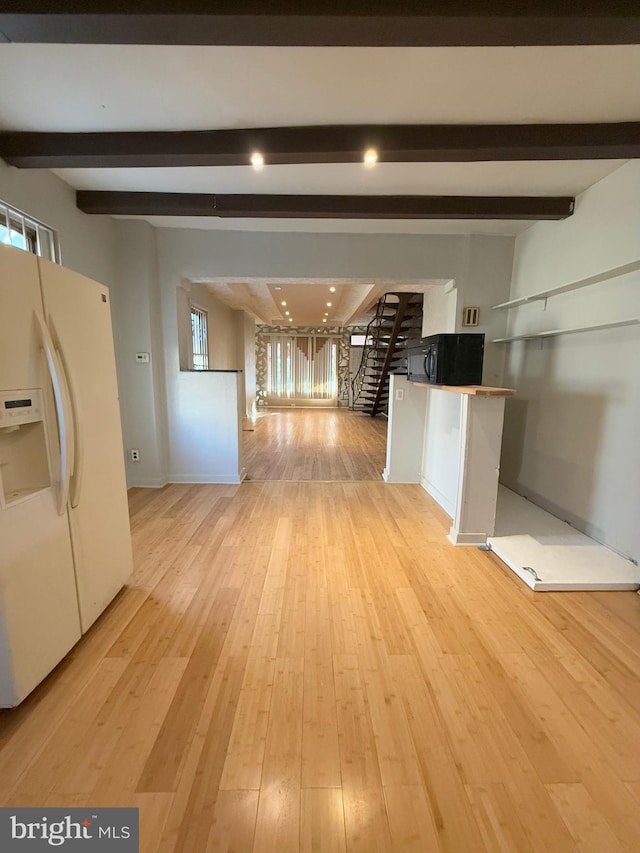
(63, 412)
(77, 469)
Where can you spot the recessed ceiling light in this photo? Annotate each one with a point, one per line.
(291, 319)
(277, 288)
(283, 303)
(257, 160)
(328, 304)
(370, 157)
(287, 313)
(332, 290)
(325, 320)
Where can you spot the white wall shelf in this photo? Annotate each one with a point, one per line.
(541, 295)
(552, 333)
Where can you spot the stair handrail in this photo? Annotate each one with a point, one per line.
(371, 338)
(402, 300)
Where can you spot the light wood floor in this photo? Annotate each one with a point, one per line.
(315, 444)
(312, 667)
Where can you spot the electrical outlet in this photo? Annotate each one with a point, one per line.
(134, 455)
(399, 393)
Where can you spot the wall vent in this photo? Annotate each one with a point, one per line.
(471, 316)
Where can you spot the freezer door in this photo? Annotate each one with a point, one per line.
(39, 619)
(78, 315)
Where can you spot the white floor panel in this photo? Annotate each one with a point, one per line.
(549, 554)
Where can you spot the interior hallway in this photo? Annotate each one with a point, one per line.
(311, 666)
(315, 444)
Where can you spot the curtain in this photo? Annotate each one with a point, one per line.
(302, 367)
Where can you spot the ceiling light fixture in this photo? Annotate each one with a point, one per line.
(257, 160)
(332, 290)
(328, 304)
(370, 157)
(325, 320)
(286, 313)
(291, 319)
(283, 303)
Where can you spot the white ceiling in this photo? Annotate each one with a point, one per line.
(130, 87)
(307, 298)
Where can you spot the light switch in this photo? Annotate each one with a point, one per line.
(143, 357)
(399, 393)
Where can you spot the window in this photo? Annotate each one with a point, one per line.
(199, 341)
(24, 232)
(361, 340)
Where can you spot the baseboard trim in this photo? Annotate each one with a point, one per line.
(221, 480)
(438, 497)
(148, 484)
(457, 538)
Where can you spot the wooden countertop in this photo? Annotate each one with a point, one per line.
(474, 390)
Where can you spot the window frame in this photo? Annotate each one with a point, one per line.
(32, 231)
(203, 338)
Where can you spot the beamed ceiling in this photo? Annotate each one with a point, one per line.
(486, 116)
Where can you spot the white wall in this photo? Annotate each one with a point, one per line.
(206, 444)
(249, 360)
(571, 432)
(441, 459)
(137, 328)
(405, 431)
(440, 310)
(87, 242)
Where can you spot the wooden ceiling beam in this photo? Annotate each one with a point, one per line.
(324, 206)
(323, 22)
(322, 144)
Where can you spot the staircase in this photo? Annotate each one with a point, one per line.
(398, 317)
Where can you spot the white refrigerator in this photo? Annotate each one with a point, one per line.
(65, 543)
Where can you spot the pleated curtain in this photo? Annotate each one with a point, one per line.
(302, 367)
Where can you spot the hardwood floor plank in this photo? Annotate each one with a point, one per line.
(497, 816)
(320, 745)
(411, 823)
(200, 770)
(234, 822)
(245, 755)
(139, 733)
(366, 823)
(590, 830)
(159, 773)
(322, 821)
(278, 820)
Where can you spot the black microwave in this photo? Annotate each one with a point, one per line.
(446, 359)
